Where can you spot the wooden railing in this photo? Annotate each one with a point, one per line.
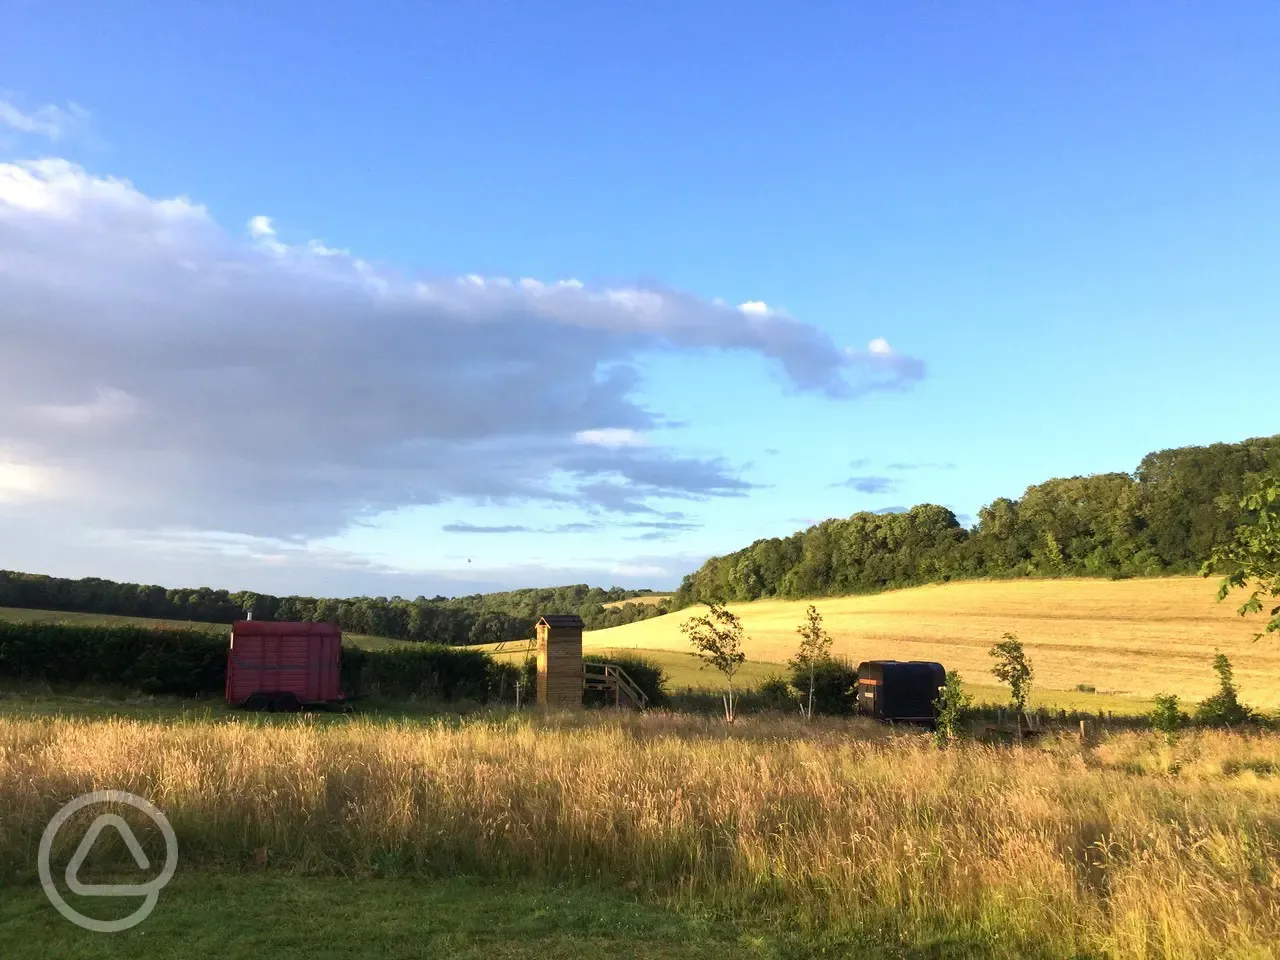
(612, 678)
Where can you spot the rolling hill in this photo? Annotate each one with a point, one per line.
(1132, 638)
(1128, 639)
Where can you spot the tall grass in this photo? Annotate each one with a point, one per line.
(1061, 850)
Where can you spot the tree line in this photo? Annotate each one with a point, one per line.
(1164, 518)
(457, 621)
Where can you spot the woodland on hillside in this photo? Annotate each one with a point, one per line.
(1165, 518)
(480, 618)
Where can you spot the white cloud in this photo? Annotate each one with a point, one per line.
(175, 376)
(22, 482)
(884, 367)
(260, 227)
(49, 121)
(263, 230)
(612, 437)
(320, 250)
(755, 308)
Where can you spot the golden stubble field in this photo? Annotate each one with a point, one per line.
(1137, 637)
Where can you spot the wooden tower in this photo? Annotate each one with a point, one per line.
(560, 662)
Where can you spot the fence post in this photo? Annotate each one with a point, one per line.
(1082, 731)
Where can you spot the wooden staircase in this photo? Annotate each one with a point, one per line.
(612, 679)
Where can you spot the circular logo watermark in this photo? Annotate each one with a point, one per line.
(150, 890)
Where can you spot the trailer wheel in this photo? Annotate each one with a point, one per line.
(257, 702)
(286, 703)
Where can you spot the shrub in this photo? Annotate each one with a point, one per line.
(1166, 717)
(427, 671)
(835, 683)
(765, 698)
(777, 694)
(353, 660)
(644, 673)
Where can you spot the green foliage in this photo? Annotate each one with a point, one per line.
(504, 676)
(481, 618)
(951, 705)
(1251, 558)
(426, 671)
(717, 641)
(1013, 667)
(644, 673)
(1164, 518)
(192, 663)
(815, 649)
(1166, 717)
(529, 679)
(776, 694)
(835, 682)
(1224, 708)
(179, 662)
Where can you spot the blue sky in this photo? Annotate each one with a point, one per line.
(1061, 225)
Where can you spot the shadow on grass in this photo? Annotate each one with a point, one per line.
(244, 916)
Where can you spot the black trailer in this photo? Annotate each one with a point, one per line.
(900, 690)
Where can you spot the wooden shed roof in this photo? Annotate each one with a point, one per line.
(561, 620)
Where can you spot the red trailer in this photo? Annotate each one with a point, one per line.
(281, 666)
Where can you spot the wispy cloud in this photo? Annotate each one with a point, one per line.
(925, 465)
(655, 529)
(50, 121)
(869, 484)
(474, 528)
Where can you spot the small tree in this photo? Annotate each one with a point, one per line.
(1224, 708)
(1013, 667)
(1252, 558)
(951, 704)
(815, 649)
(717, 641)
